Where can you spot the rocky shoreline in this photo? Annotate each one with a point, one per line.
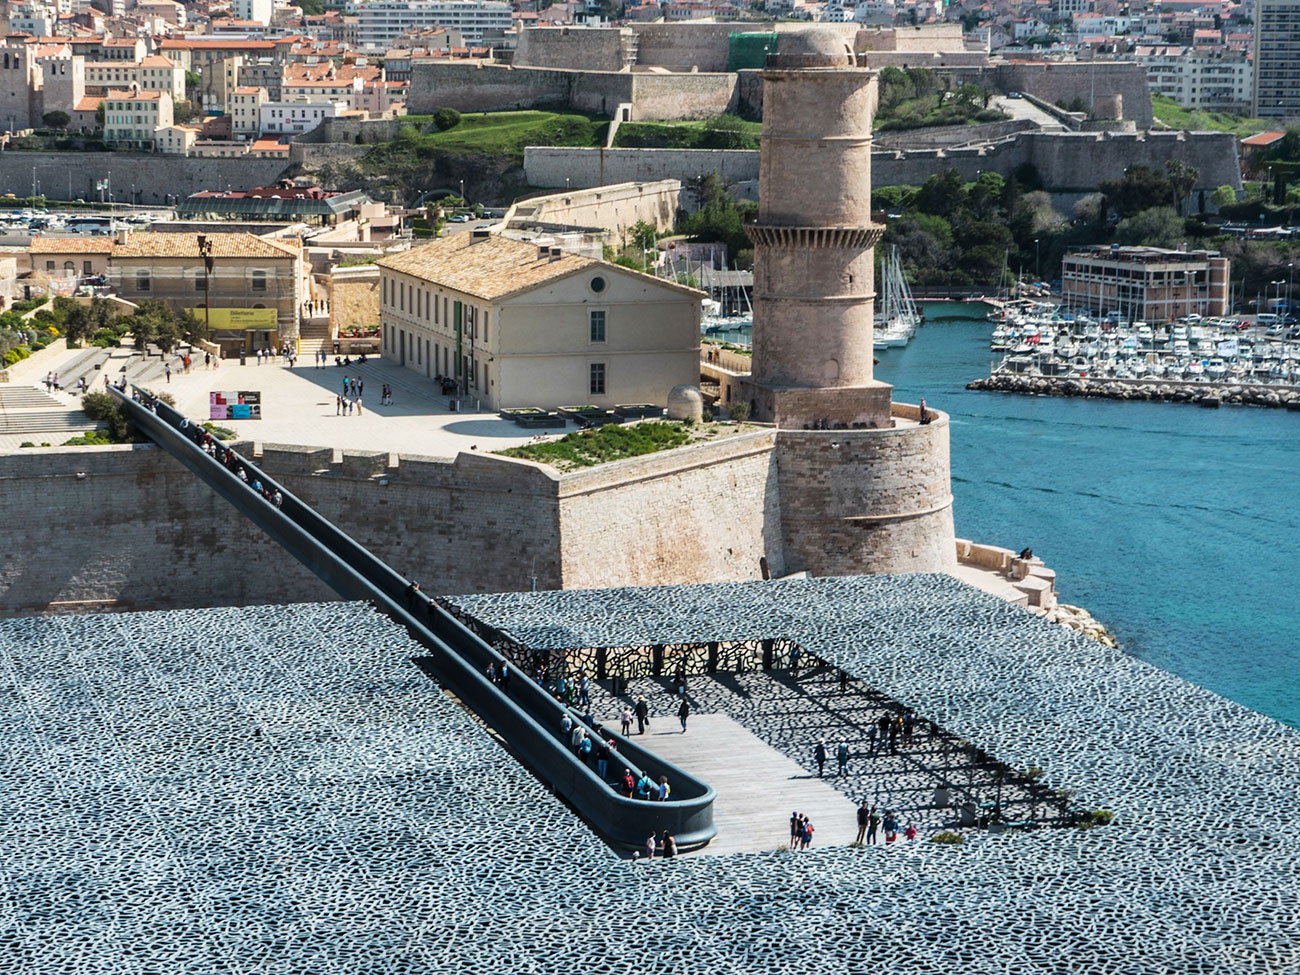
(1202, 394)
(1081, 621)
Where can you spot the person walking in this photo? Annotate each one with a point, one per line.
(842, 757)
(650, 847)
(602, 759)
(566, 725)
(819, 755)
(505, 678)
(684, 712)
(794, 830)
(625, 719)
(642, 711)
(864, 819)
(338, 405)
(669, 843)
(665, 790)
(871, 740)
(873, 824)
(806, 834)
(167, 369)
(584, 690)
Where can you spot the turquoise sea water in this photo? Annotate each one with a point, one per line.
(1178, 527)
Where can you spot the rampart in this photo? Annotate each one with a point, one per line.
(1067, 162)
(72, 175)
(481, 87)
(722, 510)
(615, 208)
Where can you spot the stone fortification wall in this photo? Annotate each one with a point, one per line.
(579, 48)
(926, 39)
(348, 129)
(1086, 80)
(682, 96)
(1067, 162)
(613, 208)
(485, 87)
(550, 166)
(131, 524)
(710, 511)
(706, 47)
(180, 175)
(936, 136)
(153, 536)
(354, 296)
(856, 501)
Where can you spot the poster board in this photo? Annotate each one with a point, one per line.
(243, 405)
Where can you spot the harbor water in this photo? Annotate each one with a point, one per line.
(1177, 527)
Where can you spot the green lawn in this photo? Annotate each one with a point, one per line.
(729, 133)
(498, 133)
(600, 445)
(1175, 116)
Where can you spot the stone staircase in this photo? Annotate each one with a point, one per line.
(28, 410)
(315, 335)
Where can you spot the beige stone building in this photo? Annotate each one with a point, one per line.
(245, 106)
(131, 117)
(77, 257)
(248, 289)
(518, 324)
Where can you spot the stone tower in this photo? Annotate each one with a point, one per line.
(814, 242)
(864, 485)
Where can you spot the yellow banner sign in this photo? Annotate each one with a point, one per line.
(233, 319)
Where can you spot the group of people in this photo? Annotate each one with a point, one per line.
(665, 845)
(801, 831)
(350, 398)
(820, 755)
(891, 729)
(870, 820)
(229, 459)
(285, 352)
(52, 381)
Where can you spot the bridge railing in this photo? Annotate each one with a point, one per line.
(528, 718)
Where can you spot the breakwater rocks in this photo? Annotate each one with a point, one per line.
(1081, 621)
(1203, 394)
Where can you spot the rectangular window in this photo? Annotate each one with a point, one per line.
(142, 281)
(401, 297)
(86, 267)
(49, 265)
(258, 281)
(485, 338)
(597, 387)
(598, 326)
(201, 283)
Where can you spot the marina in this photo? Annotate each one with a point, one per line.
(1214, 360)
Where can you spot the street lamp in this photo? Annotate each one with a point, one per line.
(1037, 266)
(462, 192)
(1277, 301)
(1290, 280)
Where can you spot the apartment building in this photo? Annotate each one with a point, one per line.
(383, 21)
(1215, 79)
(132, 117)
(245, 111)
(1277, 59)
(152, 73)
(291, 118)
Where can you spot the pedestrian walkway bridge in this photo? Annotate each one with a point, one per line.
(526, 718)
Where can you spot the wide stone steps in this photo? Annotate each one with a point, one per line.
(27, 398)
(42, 421)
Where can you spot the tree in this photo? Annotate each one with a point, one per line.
(1156, 227)
(1141, 188)
(446, 118)
(182, 111)
(192, 80)
(1182, 178)
(78, 325)
(1224, 195)
(99, 115)
(942, 194)
(56, 120)
(644, 235)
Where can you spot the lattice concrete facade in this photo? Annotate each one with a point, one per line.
(277, 790)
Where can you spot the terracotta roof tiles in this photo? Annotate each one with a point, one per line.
(187, 246)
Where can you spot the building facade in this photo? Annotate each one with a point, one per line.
(383, 21)
(1277, 59)
(132, 117)
(292, 117)
(1150, 284)
(247, 289)
(516, 324)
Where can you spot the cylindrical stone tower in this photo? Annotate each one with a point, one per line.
(863, 482)
(814, 240)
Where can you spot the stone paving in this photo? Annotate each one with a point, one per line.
(298, 407)
(278, 790)
(792, 712)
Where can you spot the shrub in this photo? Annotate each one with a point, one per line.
(739, 412)
(103, 407)
(1102, 817)
(221, 433)
(446, 118)
(92, 439)
(27, 443)
(949, 838)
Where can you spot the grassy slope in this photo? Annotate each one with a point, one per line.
(504, 133)
(1176, 116)
(676, 135)
(603, 444)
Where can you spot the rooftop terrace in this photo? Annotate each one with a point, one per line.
(278, 789)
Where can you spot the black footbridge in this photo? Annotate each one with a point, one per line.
(525, 716)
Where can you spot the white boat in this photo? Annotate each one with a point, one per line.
(898, 319)
(1216, 369)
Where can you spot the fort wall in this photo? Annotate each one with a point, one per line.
(1067, 162)
(72, 175)
(715, 511)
